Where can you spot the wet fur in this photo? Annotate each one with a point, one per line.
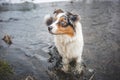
(70, 46)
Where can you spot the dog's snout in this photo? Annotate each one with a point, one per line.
(50, 28)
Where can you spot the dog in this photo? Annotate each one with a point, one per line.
(68, 37)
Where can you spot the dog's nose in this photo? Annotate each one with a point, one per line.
(50, 28)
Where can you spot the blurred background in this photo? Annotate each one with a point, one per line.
(27, 55)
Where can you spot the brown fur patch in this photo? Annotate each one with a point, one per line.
(62, 22)
(62, 19)
(65, 30)
(57, 11)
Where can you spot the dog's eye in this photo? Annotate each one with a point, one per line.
(62, 23)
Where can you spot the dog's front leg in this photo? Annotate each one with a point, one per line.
(65, 64)
(79, 66)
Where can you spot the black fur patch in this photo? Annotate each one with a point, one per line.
(72, 17)
(49, 21)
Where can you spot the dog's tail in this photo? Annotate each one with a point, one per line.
(48, 19)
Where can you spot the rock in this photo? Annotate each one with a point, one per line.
(7, 39)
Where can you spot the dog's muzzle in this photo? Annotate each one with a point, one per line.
(50, 28)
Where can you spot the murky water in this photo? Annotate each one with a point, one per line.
(101, 29)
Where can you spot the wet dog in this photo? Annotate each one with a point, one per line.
(68, 37)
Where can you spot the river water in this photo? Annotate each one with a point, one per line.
(31, 40)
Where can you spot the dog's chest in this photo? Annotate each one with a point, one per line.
(67, 47)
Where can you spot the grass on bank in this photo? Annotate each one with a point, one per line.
(5, 70)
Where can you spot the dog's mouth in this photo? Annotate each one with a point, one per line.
(51, 32)
(55, 33)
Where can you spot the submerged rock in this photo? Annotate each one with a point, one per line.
(7, 39)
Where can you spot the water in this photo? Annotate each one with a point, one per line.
(33, 1)
(31, 39)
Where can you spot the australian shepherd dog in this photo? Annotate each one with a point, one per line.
(68, 37)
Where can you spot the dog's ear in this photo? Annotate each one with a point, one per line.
(48, 20)
(73, 17)
(57, 11)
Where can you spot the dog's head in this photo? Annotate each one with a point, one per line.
(62, 23)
